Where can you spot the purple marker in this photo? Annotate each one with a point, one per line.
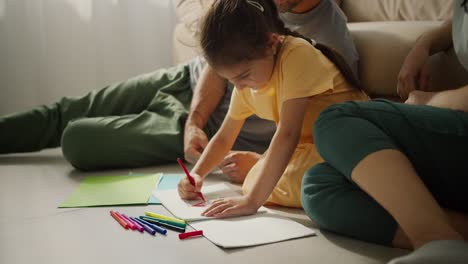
(146, 227)
(138, 226)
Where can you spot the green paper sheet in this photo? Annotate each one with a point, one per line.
(112, 190)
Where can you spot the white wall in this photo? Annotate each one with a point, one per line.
(53, 48)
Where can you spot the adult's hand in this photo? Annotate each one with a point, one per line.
(414, 73)
(195, 141)
(237, 164)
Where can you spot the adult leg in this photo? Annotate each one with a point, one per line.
(390, 146)
(153, 136)
(337, 204)
(43, 126)
(124, 141)
(400, 190)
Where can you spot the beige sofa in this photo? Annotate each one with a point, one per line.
(383, 32)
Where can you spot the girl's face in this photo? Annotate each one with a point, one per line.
(255, 73)
(252, 74)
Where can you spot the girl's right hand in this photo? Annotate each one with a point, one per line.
(186, 190)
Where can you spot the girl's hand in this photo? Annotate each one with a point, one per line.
(237, 164)
(235, 206)
(186, 190)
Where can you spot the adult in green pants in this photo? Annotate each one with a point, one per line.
(134, 123)
(397, 174)
(156, 117)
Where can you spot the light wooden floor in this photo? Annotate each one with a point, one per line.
(34, 230)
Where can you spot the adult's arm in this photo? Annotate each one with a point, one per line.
(414, 73)
(207, 95)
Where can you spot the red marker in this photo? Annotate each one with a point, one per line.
(190, 178)
(191, 234)
(119, 220)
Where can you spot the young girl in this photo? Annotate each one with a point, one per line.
(278, 76)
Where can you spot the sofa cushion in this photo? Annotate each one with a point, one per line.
(392, 10)
(383, 46)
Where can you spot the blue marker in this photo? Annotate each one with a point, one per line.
(147, 228)
(155, 227)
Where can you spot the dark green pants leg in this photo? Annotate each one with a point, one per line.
(337, 204)
(164, 94)
(143, 139)
(435, 141)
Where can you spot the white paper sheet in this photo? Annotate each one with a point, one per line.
(251, 230)
(261, 228)
(184, 209)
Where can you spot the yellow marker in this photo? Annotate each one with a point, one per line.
(163, 217)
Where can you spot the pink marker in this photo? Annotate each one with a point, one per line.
(138, 226)
(130, 223)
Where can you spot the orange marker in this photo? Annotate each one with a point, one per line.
(118, 219)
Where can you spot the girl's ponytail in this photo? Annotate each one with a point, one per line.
(340, 63)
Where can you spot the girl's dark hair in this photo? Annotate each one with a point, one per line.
(233, 31)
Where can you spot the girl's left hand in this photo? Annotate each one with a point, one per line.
(235, 206)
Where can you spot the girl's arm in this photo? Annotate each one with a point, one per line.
(276, 160)
(219, 146)
(215, 151)
(281, 149)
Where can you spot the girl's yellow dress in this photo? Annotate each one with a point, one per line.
(300, 71)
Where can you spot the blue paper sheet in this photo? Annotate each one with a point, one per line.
(166, 182)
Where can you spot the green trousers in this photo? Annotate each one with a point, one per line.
(435, 140)
(134, 123)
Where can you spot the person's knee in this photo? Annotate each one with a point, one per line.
(317, 184)
(78, 143)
